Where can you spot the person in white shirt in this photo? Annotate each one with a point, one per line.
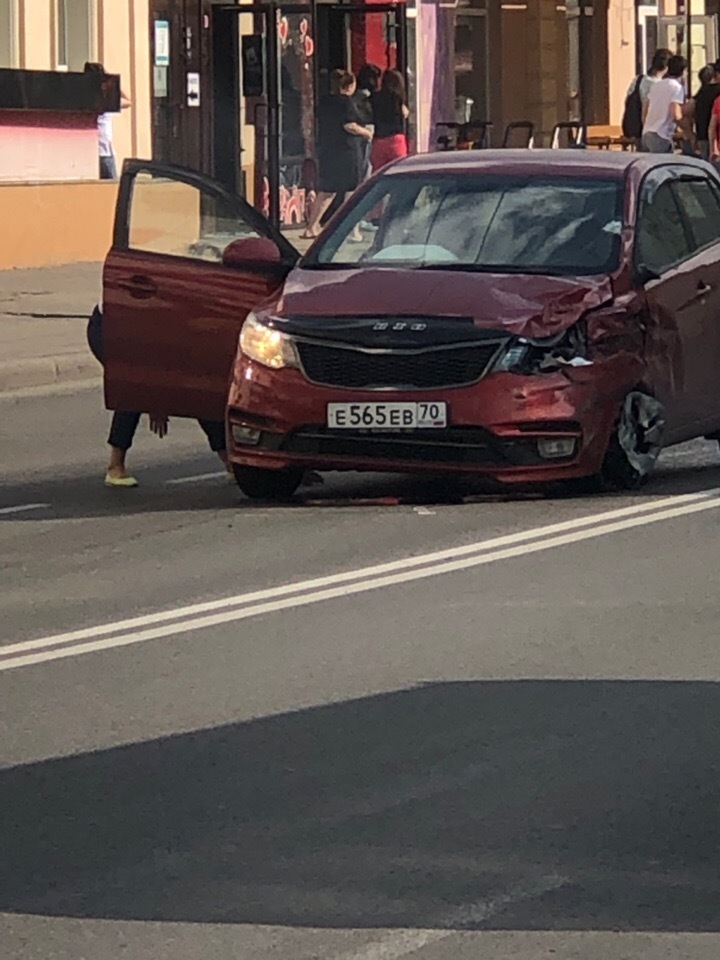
(658, 69)
(108, 167)
(664, 108)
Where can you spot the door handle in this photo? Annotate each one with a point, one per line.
(138, 286)
(703, 289)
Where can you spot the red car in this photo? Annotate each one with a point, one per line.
(521, 315)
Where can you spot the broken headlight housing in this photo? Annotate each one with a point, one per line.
(525, 356)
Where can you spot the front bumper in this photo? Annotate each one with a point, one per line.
(493, 426)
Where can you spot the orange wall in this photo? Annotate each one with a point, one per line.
(621, 55)
(55, 223)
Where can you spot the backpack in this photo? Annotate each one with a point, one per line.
(632, 115)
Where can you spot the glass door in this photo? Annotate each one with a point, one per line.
(472, 78)
(264, 107)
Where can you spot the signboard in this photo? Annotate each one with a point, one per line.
(160, 81)
(162, 43)
(193, 89)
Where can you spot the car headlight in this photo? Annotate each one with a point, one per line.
(266, 345)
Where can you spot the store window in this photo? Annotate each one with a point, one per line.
(75, 24)
(471, 66)
(8, 33)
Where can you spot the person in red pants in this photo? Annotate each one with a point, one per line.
(390, 115)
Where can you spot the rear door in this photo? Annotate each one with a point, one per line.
(699, 198)
(677, 342)
(172, 310)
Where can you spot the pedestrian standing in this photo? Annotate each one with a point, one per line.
(663, 110)
(125, 423)
(390, 114)
(638, 92)
(704, 103)
(108, 166)
(340, 153)
(368, 84)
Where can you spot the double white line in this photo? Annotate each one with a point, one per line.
(213, 613)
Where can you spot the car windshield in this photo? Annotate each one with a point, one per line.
(555, 225)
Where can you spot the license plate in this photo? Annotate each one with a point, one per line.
(386, 416)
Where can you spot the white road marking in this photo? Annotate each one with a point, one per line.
(197, 478)
(302, 586)
(24, 508)
(244, 606)
(399, 943)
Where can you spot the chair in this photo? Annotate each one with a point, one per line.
(574, 133)
(528, 130)
(474, 135)
(607, 136)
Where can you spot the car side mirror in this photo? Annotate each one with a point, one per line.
(252, 252)
(644, 274)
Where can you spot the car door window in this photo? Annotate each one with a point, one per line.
(180, 219)
(661, 238)
(699, 201)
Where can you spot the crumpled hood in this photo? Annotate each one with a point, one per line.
(520, 304)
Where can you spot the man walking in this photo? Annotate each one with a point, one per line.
(704, 105)
(664, 108)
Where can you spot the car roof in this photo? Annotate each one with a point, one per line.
(608, 163)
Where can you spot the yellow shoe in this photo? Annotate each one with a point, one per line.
(111, 481)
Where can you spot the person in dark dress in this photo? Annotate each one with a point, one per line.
(340, 149)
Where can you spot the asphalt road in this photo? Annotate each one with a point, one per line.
(375, 724)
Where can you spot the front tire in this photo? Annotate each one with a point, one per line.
(260, 484)
(634, 446)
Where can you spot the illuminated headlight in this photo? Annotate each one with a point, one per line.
(266, 345)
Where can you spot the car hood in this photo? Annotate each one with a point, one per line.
(518, 304)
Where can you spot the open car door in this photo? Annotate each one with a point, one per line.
(188, 262)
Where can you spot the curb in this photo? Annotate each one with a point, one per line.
(47, 371)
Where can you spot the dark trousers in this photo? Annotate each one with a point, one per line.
(108, 168)
(124, 425)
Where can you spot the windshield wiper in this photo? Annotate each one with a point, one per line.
(315, 265)
(494, 268)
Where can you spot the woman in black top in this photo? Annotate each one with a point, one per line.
(341, 138)
(390, 114)
(368, 84)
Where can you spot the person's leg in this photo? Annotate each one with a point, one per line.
(107, 168)
(214, 430)
(704, 149)
(122, 433)
(322, 202)
(652, 143)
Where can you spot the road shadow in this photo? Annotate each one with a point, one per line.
(567, 805)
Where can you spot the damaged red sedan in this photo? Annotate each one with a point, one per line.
(528, 316)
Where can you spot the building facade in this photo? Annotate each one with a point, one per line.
(234, 89)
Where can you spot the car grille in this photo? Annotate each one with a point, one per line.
(361, 369)
(458, 445)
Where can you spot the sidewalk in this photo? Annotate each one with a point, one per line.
(43, 315)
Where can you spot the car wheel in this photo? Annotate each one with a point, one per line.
(633, 448)
(259, 484)
(635, 443)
